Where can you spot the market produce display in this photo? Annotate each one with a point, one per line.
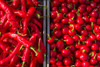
(21, 42)
(75, 33)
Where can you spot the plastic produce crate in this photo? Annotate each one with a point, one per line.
(75, 6)
(43, 7)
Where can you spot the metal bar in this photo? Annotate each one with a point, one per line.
(44, 30)
(48, 31)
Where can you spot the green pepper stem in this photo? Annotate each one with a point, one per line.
(19, 56)
(78, 12)
(72, 65)
(84, 28)
(0, 21)
(92, 25)
(95, 40)
(20, 33)
(36, 54)
(83, 50)
(55, 39)
(39, 50)
(54, 49)
(83, 42)
(82, 17)
(13, 45)
(94, 32)
(70, 5)
(0, 33)
(72, 18)
(48, 36)
(79, 36)
(38, 15)
(79, 42)
(95, 56)
(21, 47)
(67, 47)
(72, 57)
(64, 40)
(72, 28)
(54, 29)
(91, 53)
(42, 5)
(29, 31)
(21, 25)
(9, 1)
(74, 6)
(56, 59)
(23, 63)
(10, 50)
(57, 12)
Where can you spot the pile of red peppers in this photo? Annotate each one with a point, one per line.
(21, 42)
(74, 38)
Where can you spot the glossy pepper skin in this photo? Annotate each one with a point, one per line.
(40, 57)
(4, 47)
(33, 39)
(3, 19)
(1, 56)
(40, 53)
(35, 21)
(29, 3)
(18, 38)
(15, 59)
(43, 48)
(35, 2)
(15, 3)
(18, 65)
(19, 13)
(26, 55)
(27, 18)
(33, 62)
(7, 10)
(12, 41)
(7, 59)
(13, 24)
(23, 6)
